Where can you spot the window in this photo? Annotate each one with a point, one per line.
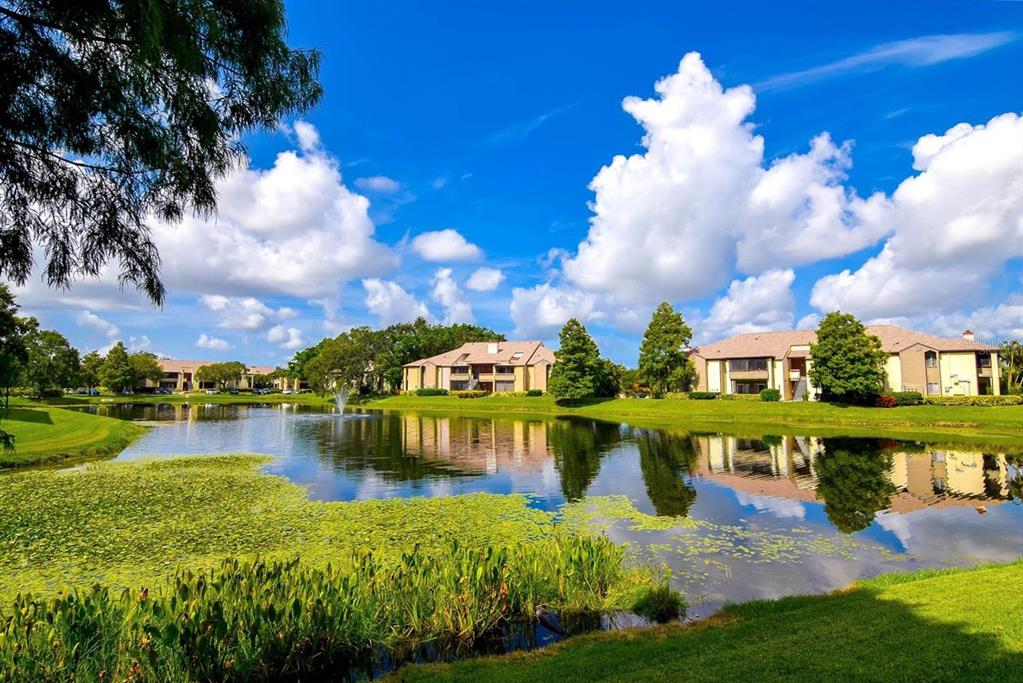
(931, 359)
(749, 387)
(748, 365)
(984, 360)
(932, 388)
(504, 386)
(504, 370)
(459, 386)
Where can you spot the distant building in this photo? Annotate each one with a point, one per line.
(488, 366)
(179, 375)
(933, 366)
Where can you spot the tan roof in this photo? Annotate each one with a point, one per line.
(508, 353)
(177, 365)
(776, 344)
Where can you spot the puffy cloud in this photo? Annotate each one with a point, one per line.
(90, 319)
(485, 280)
(955, 224)
(670, 223)
(755, 304)
(378, 183)
(989, 323)
(540, 311)
(448, 294)
(392, 304)
(289, 338)
(444, 245)
(307, 135)
(244, 313)
(294, 229)
(206, 341)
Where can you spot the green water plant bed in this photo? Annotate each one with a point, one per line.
(48, 435)
(951, 625)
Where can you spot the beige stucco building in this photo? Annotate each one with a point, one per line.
(488, 366)
(179, 375)
(933, 366)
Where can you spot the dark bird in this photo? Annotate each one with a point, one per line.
(549, 620)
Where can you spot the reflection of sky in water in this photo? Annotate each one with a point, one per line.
(758, 495)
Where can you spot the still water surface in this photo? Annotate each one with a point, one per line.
(756, 518)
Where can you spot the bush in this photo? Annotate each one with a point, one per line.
(885, 401)
(431, 391)
(703, 395)
(771, 395)
(661, 604)
(908, 398)
(1014, 400)
(740, 397)
(470, 393)
(533, 393)
(676, 396)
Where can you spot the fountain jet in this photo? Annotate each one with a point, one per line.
(340, 399)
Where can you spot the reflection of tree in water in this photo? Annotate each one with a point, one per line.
(1015, 465)
(577, 448)
(852, 478)
(665, 460)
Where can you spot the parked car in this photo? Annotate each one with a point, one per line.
(287, 392)
(93, 392)
(212, 392)
(128, 392)
(233, 392)
(81, 391)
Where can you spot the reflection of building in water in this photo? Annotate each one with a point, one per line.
(784, 467)
(477, 444)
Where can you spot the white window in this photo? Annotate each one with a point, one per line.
(931, 358)
(932, 388)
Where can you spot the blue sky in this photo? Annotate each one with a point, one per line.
(494, 123)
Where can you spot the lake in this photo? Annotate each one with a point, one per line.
(735, 518)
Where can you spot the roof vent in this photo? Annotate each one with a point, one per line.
(493, 348)
(968, 335)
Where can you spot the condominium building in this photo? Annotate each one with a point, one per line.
(488, 366)
(933, 366)
(180, 375)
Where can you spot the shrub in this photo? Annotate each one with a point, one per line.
(908, 398)
(676, 396)
(470, 393)
(740, 397)
(533, 393)
(885, 401)
(771, 395)
(703, 395)
(1012, 400)
(431, 391)
(661, 604)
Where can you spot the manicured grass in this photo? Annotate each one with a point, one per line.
(994, 425)
(47, 435)
(956, 625)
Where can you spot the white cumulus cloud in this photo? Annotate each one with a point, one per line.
(444, 245)
(540, 311)
(755, 304)
(90, 319)
(285, 338)
(485, 279)
(378, 183)
(206, 341)
(448, 294)
(392, 304)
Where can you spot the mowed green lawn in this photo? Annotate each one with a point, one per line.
(47, 435)
(958, 625)
(995, 425)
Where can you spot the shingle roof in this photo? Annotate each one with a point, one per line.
(776, 344)
(531, 352)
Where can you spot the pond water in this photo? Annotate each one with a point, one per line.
(737, 518)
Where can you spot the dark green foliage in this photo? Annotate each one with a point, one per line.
(665, 460)
(577, 453)
(89, 369)
(145, 365)
(533, 393)
(852, 478)
(608, 382)
(221, 373)
(578, 367)
(117, 373)
(1010, 358)
(52, 362)
(431, 391)
(770, 395)
(13, 356)
(1005, 400)
(703, 395)
(662, 360)
(848, 363)
(908, 398)
(660, 604)
(112, 112)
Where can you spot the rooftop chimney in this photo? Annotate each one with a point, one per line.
(492, 348)
(968, 335)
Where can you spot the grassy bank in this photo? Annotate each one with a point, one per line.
(994, 425)
(47, 435)
(953, 625)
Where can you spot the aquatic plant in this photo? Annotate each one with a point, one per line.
(661, 603)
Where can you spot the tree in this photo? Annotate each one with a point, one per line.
(117, 111)
(117, 374)
(221, 373)
(852, 478)
(145, 365)
(848, 364)
(662, 357)
(89, 372)
(1010, 355)
(52, 362)
(578, 365)
(13, 356)
(665, 461)
(608, 381)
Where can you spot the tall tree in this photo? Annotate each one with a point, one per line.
(848, 364)
(13, 356)
(221, 373)
(1010, 357)
(112, 112)
(116, 373)
(578, 365)
(91, 365)
(52, 362)
(662, 358)
(145, 365)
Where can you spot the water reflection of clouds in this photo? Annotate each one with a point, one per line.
(779, 507)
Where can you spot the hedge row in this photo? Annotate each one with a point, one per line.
(1008, 400)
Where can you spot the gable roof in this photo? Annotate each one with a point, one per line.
(179, 366)
(776, 344)
(508, 353)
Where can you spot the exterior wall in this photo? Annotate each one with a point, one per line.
(996, 375)
(778, 376)
(713, 375)
(958, 373)
(521, 378)
(445, 378)
(811, 388)
(893, 372)
(701, 373)
(539, 379)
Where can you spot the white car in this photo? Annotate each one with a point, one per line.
(211, 392)
(288, 392)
